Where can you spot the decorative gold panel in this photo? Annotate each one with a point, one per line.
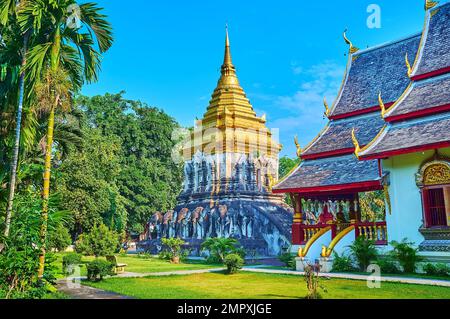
(437, 174)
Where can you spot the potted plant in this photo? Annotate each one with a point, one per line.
(172, 247)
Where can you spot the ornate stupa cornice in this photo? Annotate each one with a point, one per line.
(231, 113)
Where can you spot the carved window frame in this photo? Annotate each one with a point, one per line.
(425, 184)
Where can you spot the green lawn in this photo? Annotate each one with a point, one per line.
(142, 265)
(247, 285)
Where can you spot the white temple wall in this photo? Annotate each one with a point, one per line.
(407, 213)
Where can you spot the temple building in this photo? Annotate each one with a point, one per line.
(231, 163)
(400, 152)
(414, 145)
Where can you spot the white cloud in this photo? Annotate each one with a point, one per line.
(303, 110)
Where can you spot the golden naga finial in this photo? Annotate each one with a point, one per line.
(297, 145)
(382, 106)
(327, 109)
(264, 117)
(352, 49)
(408, 65)
(356, 143)
(430, 4)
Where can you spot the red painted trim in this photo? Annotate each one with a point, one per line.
(344, 151)
(360, 112)
(431, 74)
(335, 189)
(408, 150)
(419, 113)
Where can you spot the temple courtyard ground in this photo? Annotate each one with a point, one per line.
(152, 278)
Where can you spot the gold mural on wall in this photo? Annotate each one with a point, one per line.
(437, 174)
(434, 172)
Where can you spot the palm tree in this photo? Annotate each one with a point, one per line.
(64, 58)
(219, 247)
(8, 14)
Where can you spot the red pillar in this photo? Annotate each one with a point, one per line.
(297, 230)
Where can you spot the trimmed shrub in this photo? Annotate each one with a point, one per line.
(98, 269)
(388, 266)
(437, 270)
(172, 249)
(288, 259)
(69, 261)
(234, 262)
(343, 263)
(405, 253)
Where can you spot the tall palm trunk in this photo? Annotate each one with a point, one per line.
(15, 159)
(55, 55)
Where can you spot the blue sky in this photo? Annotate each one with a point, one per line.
(288, 54)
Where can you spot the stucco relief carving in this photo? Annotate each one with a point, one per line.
(434, 172)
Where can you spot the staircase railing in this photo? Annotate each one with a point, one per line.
(376, 231)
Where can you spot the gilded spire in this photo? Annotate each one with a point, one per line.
(408, 65)
(356, 143)
(228, 70)
(227, 67)
(298, 147)
(430, 4)
(352, 48)
(327, 108)
(382, 106)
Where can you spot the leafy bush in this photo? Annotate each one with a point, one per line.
(343, 263)
(99, 242)
(388, 266)
(172, 249)
(98, 269)
(218, 248)
(234, 262)
(405, 253)
(364, 252)
(69, 261)
(437, 270)
(19, 259)
(59, 238)
(288, 259)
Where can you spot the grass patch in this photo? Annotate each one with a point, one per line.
(246, 285)
(141, 265)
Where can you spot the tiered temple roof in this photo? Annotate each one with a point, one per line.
(328, 163)
(420, 119)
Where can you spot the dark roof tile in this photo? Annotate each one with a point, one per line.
(435, 53)
(379, 69)
(411, 134)
(338, 135)
(424, 95)
(331, 171)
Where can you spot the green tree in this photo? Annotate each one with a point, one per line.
(59, 238)
(87, 181)
(65, 56)
(286, 165)
(149, 180)
(100, 242)
(364, 252)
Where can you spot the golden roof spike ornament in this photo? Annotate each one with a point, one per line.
(297, 145)
(382, 106)
(327, 108)
(408, 65)
(356, 143)
(352, 49)
(430, 4)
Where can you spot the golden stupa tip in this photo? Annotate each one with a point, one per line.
(227, 58)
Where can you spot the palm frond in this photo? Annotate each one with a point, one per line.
(96, 21)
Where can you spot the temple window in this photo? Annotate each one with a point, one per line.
(434, 181)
